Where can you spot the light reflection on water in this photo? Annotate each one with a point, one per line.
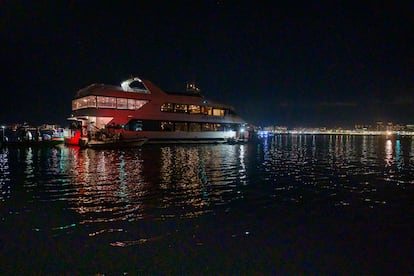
(343, 170)
(104, 194)
(190, 180)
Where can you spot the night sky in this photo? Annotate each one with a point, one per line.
(310, 63)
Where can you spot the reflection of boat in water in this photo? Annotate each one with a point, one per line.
(32, 143)
(139, 109)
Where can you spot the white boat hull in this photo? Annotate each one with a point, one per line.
(113, 143)
(183, 136)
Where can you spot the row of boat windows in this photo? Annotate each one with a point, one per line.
(195, 109)
(155, 125)
(134, 104)
(107, 102)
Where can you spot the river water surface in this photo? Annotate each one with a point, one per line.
(291, 204)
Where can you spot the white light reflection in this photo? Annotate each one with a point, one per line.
(364, 149)
(28, 172)
(313, 147)
(123, 178)
(109, 185)
(242, 171)
(388, 154)
(4, 174)
(56, 164)
(166, 165)
(339, 148)
(193, 178)
(331, 151)
(349, 146)
(184, 180)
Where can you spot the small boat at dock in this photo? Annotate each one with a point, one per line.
(108, 137)
(112, 143)
(29, 136)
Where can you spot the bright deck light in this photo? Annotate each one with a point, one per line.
(125, 84)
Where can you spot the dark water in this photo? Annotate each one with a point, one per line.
(294, 204)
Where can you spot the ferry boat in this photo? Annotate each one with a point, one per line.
(138, 109)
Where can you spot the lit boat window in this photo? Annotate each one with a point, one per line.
(218, 112)
(106, 102)
(121, 103)
(167, 126)
(136, 104)
(167, 107)
(85, 102)
(180, 108)
(194, 109)
(207, 110)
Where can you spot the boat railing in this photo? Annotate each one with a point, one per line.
(106, 135)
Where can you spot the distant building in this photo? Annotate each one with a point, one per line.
(276, 129)
(409, 127)
(363, 127)
(399, 127)
(380, 126)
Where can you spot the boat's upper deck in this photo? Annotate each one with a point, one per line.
(136, 88)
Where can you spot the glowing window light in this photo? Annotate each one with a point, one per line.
(106, 102)
(218, 112)
(140, 103)
(85, 102)
(121, 103)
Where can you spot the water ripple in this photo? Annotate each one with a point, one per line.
(189, 181)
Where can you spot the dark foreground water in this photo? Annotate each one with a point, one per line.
(294, 204)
